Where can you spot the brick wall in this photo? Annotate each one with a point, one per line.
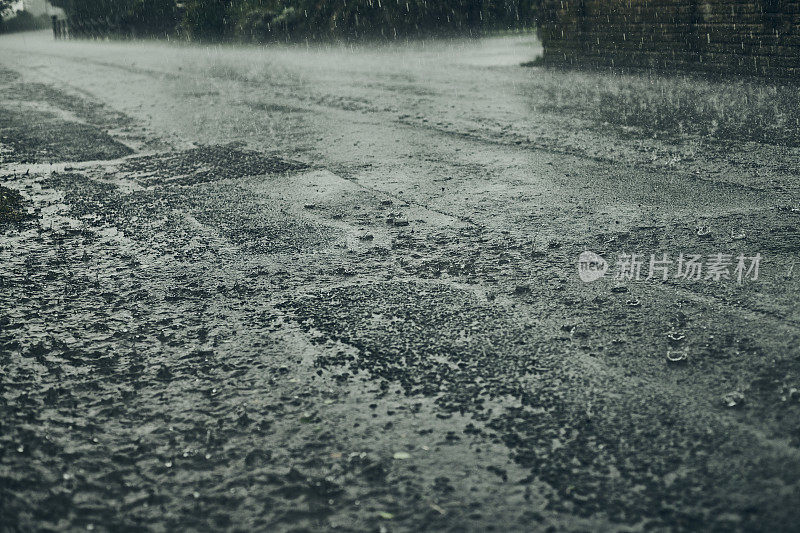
(753, 37)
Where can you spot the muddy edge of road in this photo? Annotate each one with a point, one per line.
(221, 336)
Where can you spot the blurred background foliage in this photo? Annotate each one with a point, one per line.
(286, 20)
(121, 17)
(23, 21)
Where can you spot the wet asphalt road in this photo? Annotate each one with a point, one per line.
(336, 288)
